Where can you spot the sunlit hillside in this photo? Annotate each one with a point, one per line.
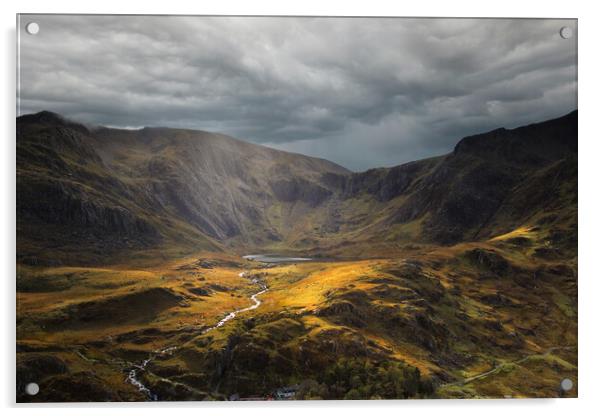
(450, 277)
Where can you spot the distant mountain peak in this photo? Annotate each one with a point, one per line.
(50, 118)
(43, 116)
(547, 140)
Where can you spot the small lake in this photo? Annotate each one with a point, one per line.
(275, 258)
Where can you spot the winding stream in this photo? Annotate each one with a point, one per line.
(132, 377)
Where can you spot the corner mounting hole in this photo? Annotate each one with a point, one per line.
(566, 32)
(32, 28)
(566, 384)
(32, 389)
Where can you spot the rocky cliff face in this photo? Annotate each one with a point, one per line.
(491, 183)
(472, 187)
(155, 186)
(159, 186)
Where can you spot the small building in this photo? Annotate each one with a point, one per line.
(286, 393)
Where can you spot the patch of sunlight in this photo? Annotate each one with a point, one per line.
(526, 232)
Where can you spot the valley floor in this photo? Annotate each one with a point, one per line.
(490, 319)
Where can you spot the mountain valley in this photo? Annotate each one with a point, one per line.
(449, 277)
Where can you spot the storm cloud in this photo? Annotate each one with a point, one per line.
(362, 92)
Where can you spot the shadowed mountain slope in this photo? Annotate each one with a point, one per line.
(454, 276)
(101, 190)
(108, 189)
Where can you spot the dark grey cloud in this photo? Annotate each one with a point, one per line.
(361, 92)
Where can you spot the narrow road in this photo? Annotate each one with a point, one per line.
(132, 377)
(498, 367)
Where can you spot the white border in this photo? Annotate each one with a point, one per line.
(590, 232)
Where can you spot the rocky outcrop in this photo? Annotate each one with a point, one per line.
(490, 262)
(300, 190)
(387, 183)
(169, 185)
(65, 203)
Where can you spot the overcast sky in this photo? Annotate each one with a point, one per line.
(360, 92)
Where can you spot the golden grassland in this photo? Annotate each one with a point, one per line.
(482, 319)
(89, 284)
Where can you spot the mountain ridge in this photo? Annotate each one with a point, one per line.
(156, 186)
(449, 277)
